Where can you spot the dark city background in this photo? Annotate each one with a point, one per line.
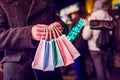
(63, 3)
(69, 71)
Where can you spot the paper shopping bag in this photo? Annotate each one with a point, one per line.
(57, 58)
(66, 55)
(43, 58)
(39, 56)
(70, 47)
(48, 57)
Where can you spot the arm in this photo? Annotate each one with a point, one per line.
(102, 21)
(14, 38)
(87, 32)
(101, 24)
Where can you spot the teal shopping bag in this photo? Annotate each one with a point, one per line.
(65, 53)
(57, 58)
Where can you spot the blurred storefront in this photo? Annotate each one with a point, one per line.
(89, 6)
(114, 2)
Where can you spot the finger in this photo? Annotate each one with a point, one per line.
(41, 29)
(40, 33)
(56, 24)
(59, 29)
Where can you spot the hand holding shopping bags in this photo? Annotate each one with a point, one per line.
(56, 52)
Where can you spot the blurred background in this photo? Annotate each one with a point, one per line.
(64, 8)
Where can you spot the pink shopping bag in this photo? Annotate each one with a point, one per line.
(39, 56)
(66, 55)
(73, 51)
(70, 47)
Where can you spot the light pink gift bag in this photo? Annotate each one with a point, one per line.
(39, 56)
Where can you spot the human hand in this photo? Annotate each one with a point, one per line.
(55, 29)
(38, 32)
(58, 26)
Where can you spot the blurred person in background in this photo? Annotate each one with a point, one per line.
(99, 56)
(80, 44)
(22, 23)
(114, 58)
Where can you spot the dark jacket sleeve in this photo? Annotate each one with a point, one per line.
(14, 38)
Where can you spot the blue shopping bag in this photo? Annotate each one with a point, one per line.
(48, 57)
